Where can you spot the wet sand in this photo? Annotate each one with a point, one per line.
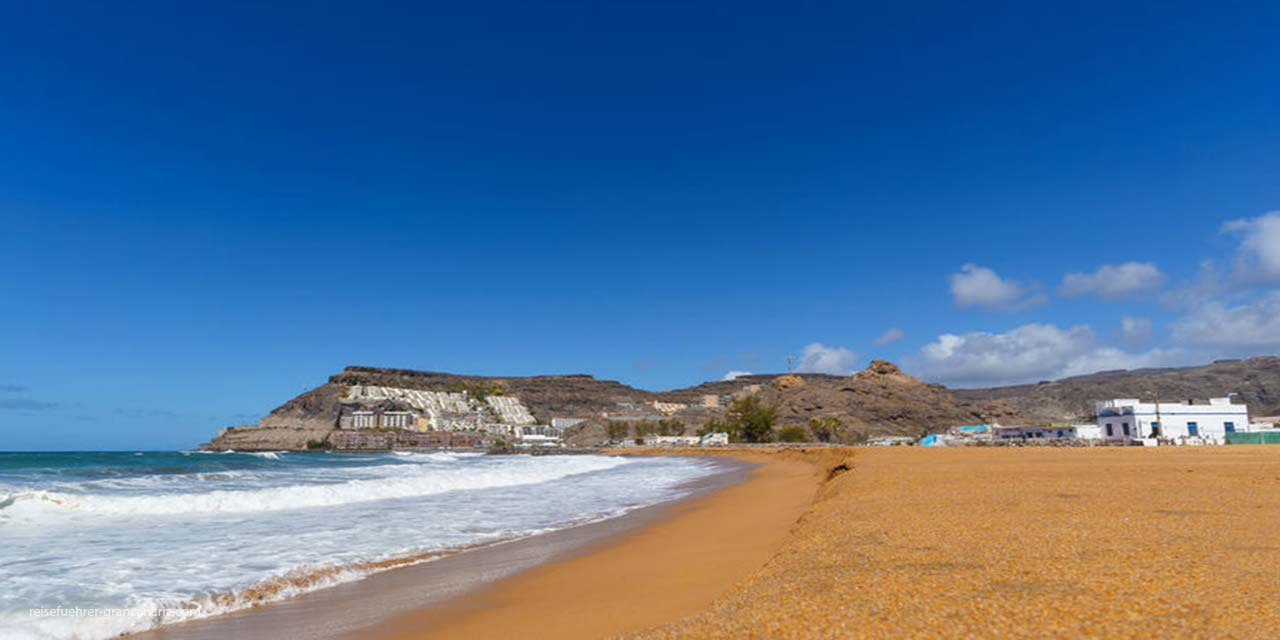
(354, 606)
(674, 566)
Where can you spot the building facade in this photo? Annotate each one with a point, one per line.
(1125, 419)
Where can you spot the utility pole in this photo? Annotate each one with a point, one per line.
(1159, 423)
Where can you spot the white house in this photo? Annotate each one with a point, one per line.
(1125, 419)
(671, 441)
(717, 439)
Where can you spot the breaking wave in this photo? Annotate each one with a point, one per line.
(408, 481)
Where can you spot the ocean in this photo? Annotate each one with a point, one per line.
(96, 544)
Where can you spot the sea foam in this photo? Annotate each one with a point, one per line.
(173, 536)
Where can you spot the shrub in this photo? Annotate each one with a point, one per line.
(616, 431)
(670, 427)
(752, 418)
(826, 428)
(793, 433)
(717, 425)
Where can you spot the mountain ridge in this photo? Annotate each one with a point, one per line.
(879, 400)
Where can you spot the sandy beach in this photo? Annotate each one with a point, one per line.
(1023, 543)
(881, 543)
(673, 567)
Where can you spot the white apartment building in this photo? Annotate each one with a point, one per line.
(1125, 419)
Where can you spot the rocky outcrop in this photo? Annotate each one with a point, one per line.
(269, 438)
(879, 400)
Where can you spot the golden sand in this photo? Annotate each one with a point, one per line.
(924, 543)
(667, 570)
(1023, 543)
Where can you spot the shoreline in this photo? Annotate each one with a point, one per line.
(671, 567)
(348, 607)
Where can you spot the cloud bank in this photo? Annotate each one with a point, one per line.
(976, 286)
(819, 358)
(1113, 281)
(1029, 353)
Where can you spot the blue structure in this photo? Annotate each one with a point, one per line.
(932, 440)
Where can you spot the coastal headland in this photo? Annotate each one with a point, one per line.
(371, 408)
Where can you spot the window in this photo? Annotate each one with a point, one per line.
(1125, 427)
(1193, 429)
(1110, 431)
(1229, 426)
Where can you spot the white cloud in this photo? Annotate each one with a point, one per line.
(819, 358)
(1028, 353)
(1113, 280)
(734, 375)
(1135, 331)
(892, 335)
(1258, 258)
(1243, 329)
(977, 286)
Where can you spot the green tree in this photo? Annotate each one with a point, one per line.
(616, 431)
(793, 433)
(753, 419)
(718, 425)
(670, 427)
(826, 428)
(642, 429)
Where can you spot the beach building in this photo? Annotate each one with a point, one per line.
(971, 430)
(935, 440)
(717, 439)
(536, 440)
(510, 410)
(1086, 431)
(398, 420)
(1056, 431)
(1129, 419)
(407, 420)
(891, 441)
(672, 441)
(970, 433)
(536, 433)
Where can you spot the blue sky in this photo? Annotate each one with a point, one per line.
(207, 210)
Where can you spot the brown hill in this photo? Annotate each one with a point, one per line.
(880, 400)
(1256, 381)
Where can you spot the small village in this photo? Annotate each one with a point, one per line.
(394, 417)
(1125, 421)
